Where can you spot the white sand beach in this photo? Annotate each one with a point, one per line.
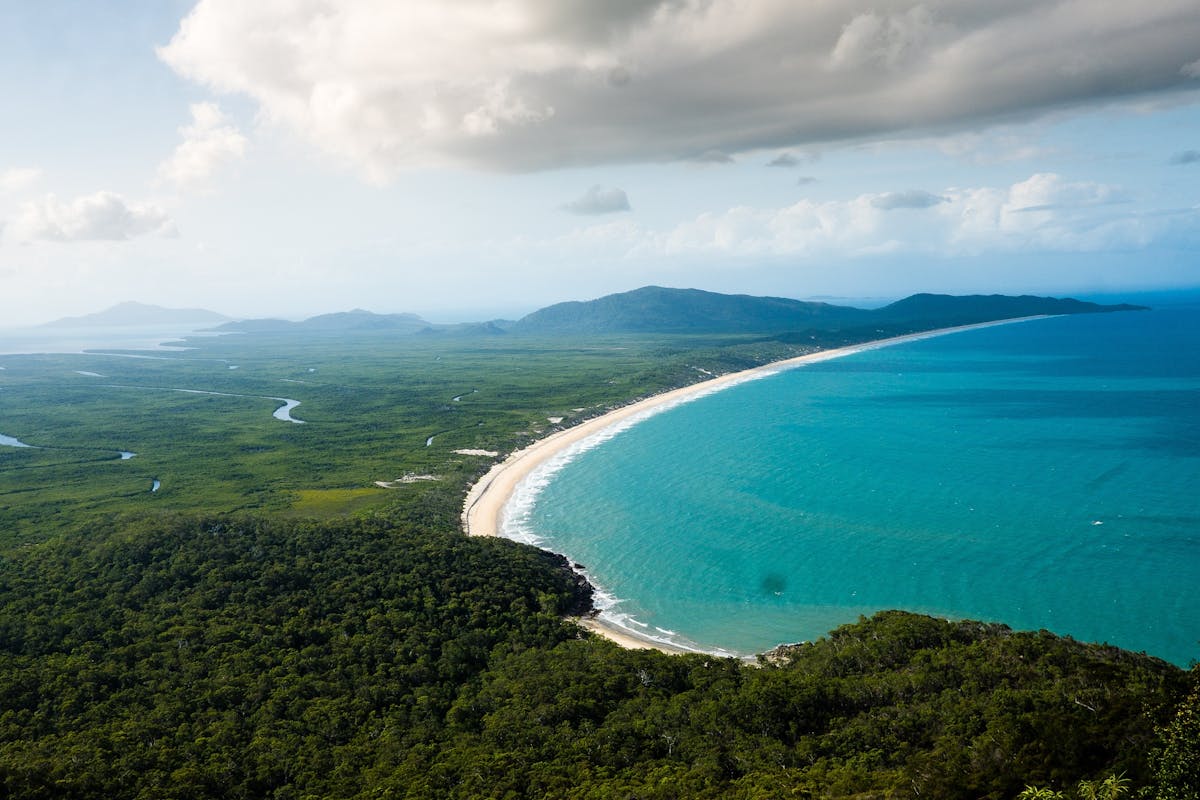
(484, 508)
(626, 639)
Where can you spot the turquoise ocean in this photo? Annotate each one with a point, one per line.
(1043, 474)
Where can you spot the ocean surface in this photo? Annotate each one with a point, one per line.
(56, 339)
(1043, 474)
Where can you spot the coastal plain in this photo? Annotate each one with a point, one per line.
(376, 407)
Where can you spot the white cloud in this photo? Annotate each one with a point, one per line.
(1049, 191)
(100, 216)
(913, 198)
(805, 228)
(18, 179)
(873, 40)
(208, 142)
(599, 200)
(527, 84)
(1043, 213)
(997, 146)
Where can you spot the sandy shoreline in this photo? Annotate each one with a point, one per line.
(486, 501)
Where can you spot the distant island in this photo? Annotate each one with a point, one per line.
(130, 314)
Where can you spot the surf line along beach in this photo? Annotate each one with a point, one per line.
(488, 500)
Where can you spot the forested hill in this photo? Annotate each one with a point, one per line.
(654, 309)
(981, 308)
(246, 658)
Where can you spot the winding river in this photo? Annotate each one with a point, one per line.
(283, 413)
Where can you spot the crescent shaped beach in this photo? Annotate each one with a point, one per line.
(488, 499)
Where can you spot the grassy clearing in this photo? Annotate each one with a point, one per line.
(336, 502)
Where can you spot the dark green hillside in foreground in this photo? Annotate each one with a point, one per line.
(244, 658)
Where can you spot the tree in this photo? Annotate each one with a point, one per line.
(1177, 764)
(1039, 793)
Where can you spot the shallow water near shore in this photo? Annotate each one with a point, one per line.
(1041, 474)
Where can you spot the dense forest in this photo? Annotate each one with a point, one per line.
(393, 657)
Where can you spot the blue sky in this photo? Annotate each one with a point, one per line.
(481, 158)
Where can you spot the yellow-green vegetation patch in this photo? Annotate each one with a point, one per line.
(336, 502)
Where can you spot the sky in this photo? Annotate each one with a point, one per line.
(472, 159)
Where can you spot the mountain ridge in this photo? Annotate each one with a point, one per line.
(646, 310)
(655, 309)
(131, 313)
(336, 322)
(988, 306)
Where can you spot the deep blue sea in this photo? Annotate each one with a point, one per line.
(1044, 474)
